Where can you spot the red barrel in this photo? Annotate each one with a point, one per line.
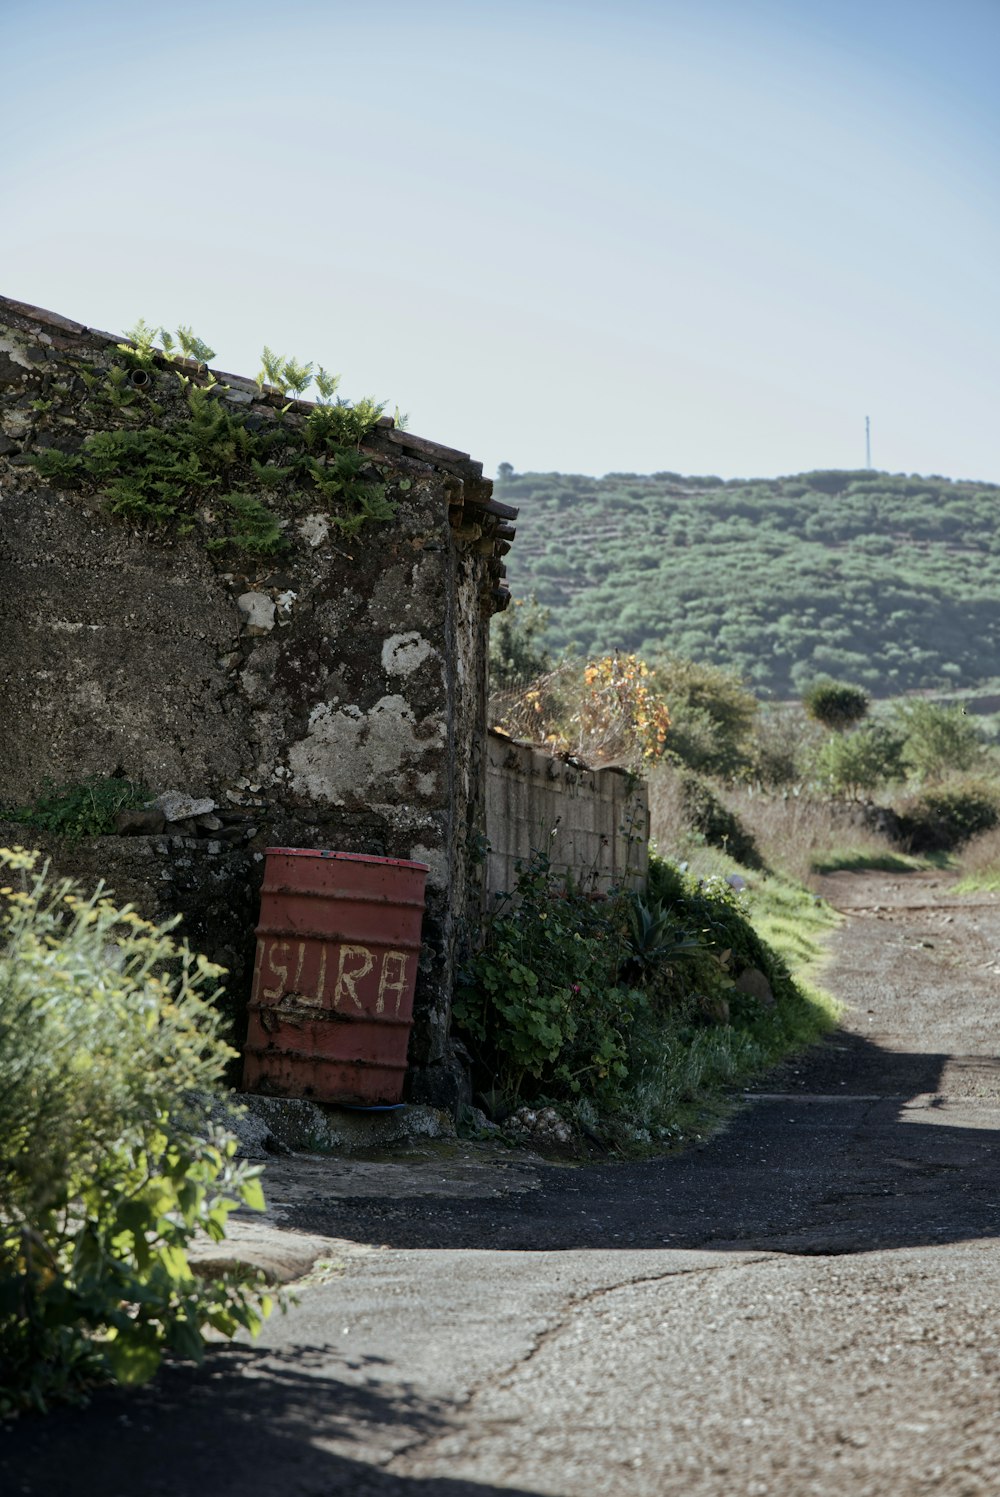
(336, 965)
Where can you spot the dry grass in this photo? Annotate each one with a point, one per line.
(979, 862)
(798, 835)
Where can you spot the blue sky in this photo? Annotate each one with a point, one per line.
(695, 235)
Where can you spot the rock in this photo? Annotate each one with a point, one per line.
(255, 1139)
(281, 1256)
(544, 1126)
(144, 823)
(318, 1129)
(176, 806)
(753, 982)
(258, 612)
(208, 822)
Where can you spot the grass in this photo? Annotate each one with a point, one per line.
(684, 1074)
(856, 860)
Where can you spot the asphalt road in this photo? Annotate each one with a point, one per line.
(808, 1304)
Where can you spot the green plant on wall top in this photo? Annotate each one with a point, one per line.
(215, 468)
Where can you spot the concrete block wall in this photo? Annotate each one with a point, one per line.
(592, 824)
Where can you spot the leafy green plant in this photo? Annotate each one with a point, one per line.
(255, 528)
(85, 808)
(540, 1003)
(653, 937)
(110, 1051)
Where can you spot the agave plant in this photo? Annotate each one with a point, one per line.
(653, 938)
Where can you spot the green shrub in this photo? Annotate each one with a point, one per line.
(836, 704)
(943, 819)
(852, 764)
(712, 716)
(624, 1010)
(936, 739)
(108, 1166)
(780, 748)
(541, 1004)
(517, 653)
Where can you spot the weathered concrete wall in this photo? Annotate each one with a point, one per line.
(592, 824)
(332, 696)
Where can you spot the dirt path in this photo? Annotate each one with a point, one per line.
(806, 1304)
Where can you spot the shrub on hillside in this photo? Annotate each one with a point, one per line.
(944, 818)
(108, 1167)
(782, 744)
(836, 704)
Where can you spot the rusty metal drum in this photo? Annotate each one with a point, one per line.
(336, 965)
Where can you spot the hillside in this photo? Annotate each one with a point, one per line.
(887, 580)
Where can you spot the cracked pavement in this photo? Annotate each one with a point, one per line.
(805, 1304)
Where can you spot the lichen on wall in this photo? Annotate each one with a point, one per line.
(388, 754)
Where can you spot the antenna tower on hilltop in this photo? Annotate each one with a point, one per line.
(868, 443)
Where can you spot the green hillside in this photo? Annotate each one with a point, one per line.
(887, 580)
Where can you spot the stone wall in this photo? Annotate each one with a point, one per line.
(592, 824)
(332, 696)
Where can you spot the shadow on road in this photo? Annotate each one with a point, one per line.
(249, 1424)
(853, 1149)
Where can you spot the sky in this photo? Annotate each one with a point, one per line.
(707, 236)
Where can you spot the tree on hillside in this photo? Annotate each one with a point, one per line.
(836, 704)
